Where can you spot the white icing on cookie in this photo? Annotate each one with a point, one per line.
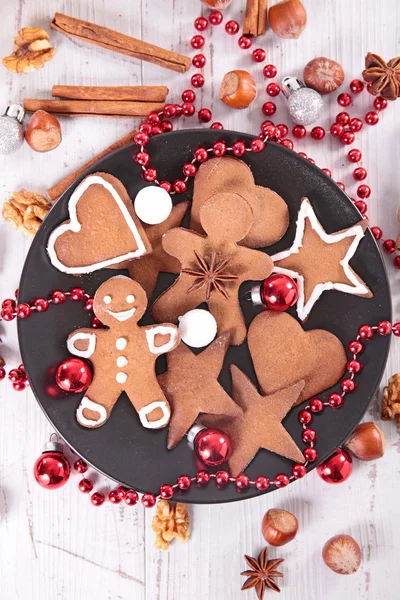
(153, 204)
(149, 408)
(307, 211)
(121, 343)
(122, 361)
(161, 330)
(90, 337)
(198, 328)
(89, 404)
(122, 315)
(121, 377)
(107, 299)
(130, 298)
(75, 226)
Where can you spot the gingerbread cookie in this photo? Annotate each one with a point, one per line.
(191, 387)
(292, 354)
(123, 356)
(260, 425)
(103, 229)
(320, 261)
(213, 266)
(228, 174)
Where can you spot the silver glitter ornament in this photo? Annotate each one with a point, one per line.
(304, 104)
(11, 130)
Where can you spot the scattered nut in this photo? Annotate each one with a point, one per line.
(238, 89)
(43, 132)
(26, 211)
(288, 18)
(367, 442)
(279, 527)
(391, 400)
(342, 554)
(217, 4)
(32, 49)
(323, 75)
(170, 521)
(2, 362)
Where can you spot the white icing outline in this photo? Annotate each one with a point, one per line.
(122, 315)
(75, 226)
(124, 377)
(306, 211)
(121, 347)
(121, 361)
(161, 330)
(91, 337)
(89, 404)
(149, 408)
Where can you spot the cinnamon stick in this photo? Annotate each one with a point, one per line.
(59, 188)
(141, 93)
(119, 42)
(255, 18)
(93, 108)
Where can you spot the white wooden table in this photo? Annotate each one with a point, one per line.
(56, 544)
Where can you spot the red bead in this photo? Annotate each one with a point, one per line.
(199, 61)
(96, 323)
(113, 497)
(355, 347)
(305, 417)
(299, 131)
(288, 144)
(343, 118)
(166, 185)
(201, 155)
(189, 170)
(19, 386)
(310, 454)
(238, 148)
(299, 471)
(396, 262)
(269, 108)
(201, 24)
(366, 332)
(273, 89)
(337, 468)
(347, 385)
(377, 232)
(15, 375)
(311, 160)
(153, 119)
(361, 205)
(150, 175)
(23, 311)
(180, 186)
(197, 80)
(371, 118)
(389, 246)
(8, 314)
(58, 297)
(51, 470)
(308, 436)
(215, 17)
(354, 155)
(337, 129)
(335, 400)
(166, 491)
(244, 42)
(257, 145)
(131, 497)
(188, 96)
(396, 329)
(141, 139)
(242, 481)
(169, 111)
(142, 158)
(77, 294)
(341, 185)
(327, 172)
(85, 486)
(202, 477)
(360, 174)
(232, 27)
(270, 71)
(261, 483)
(279, 292)
(197, 42)
(384, 327)
(184, 482)
(156, 130)
(145, 128)
(166, 126)
(281, 481)
(348, 138)
(344, 100)
(354, 366)
(213, 447)
(316, 405)
(283, 130)
(318, 133)
(121, 491)
(8, 303)
(74, 375)
(222, 478)
(188, 109)
(2, 373)
(88, 304)
(363, 191)
(205, 115)
(97, 499)
(80, 466)
(217, 125)
(259, 55)
(356, 124)
(357, 86)
(380, 103)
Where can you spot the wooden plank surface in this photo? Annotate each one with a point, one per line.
(56, 545)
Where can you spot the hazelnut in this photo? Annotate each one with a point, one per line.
(367, 442)
(238, 89)
(43, 132)
(217, 4)
(323, 75)
(279, 527)
(342, 554)
(288, 18)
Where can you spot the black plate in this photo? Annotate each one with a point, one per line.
(122, 448)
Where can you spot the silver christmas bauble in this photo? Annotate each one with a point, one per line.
(11, 130)
(304, 104)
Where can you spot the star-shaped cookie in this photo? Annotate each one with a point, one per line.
(260, 425)
(213, 266)
(191, 387)
(320, 261)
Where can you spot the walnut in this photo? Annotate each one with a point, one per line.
(26, 211)
(391, 400)
(2, 362)
(170, 521)
(32, 49)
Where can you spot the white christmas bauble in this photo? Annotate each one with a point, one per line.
(153, 205)
(197, 327)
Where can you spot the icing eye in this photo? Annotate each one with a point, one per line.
(130, 299)
(107, 299)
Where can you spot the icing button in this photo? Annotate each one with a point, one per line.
(122, 361)
(121, 377)
(121, 343)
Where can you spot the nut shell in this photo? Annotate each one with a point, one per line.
(279, 527)
(288, 18)
(43, 132)
(238, 89)
(367, 442)
(217, 4)
(323, 75)
(342, 554)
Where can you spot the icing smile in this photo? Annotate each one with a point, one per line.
(122, 315)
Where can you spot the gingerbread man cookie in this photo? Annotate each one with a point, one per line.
(213, 266)
(103, 229)
(123, 356)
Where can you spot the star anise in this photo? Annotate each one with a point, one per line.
(262, 573)
(385, 77)
(211, 274)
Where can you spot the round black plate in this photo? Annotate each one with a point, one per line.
(122, 448)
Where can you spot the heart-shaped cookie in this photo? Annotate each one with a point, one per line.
(228, 174)
(103, 229)
(283, 353)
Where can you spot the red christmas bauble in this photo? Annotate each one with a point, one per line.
(74, 375)
(52, 469)
(213, 447)
(278, 292)
(336, 468)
